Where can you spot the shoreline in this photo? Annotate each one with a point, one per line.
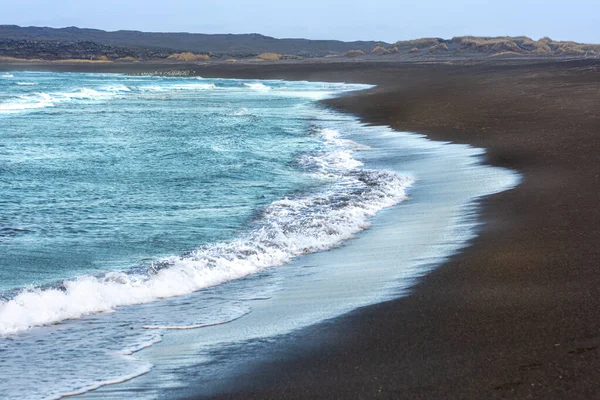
(432, 224)
(516, 313)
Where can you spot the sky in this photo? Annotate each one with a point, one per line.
(386, 20)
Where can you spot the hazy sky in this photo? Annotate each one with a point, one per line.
(388, 20)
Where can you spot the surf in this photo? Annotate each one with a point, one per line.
(287, 228)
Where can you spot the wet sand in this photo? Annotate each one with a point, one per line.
(515, 315)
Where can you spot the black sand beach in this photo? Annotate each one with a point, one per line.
(517, 314)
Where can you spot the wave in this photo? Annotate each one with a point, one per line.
(38, 100)
(50, 99)
(7, 76)
(116, 88)
(257, 86)
(287, 228)
(43, 99)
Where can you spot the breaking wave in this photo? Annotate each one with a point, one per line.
(43, 99)
(296, 225)
(257, 86)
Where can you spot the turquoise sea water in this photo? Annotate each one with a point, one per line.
(209, 214)
(101, 172)
(118, 191)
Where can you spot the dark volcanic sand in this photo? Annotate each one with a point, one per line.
(517, 314)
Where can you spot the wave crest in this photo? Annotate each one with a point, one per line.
(43, 99)
(257, 86)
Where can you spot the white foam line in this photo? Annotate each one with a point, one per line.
(101, 384)
(145, 345)
(187, 327)
(43, 99)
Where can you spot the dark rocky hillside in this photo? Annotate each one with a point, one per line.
(233, 45)
(62, 50)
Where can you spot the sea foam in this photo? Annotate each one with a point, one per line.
(287, 228)
(257, 86)
(50, 99)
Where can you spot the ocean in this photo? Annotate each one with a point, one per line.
(140, 213)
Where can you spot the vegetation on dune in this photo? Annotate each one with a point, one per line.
(440, 47)
(573, 48)
(503, 45)
(269, 56)
(391, 50)
(523, 45)
(379, 49)
(418, 43)
(355, 53)
(570, 50)
(541, 48)
(189, 57)
(488, 45)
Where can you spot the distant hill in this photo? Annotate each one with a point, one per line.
(228, 44)
(39, 43)
(496, 46)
